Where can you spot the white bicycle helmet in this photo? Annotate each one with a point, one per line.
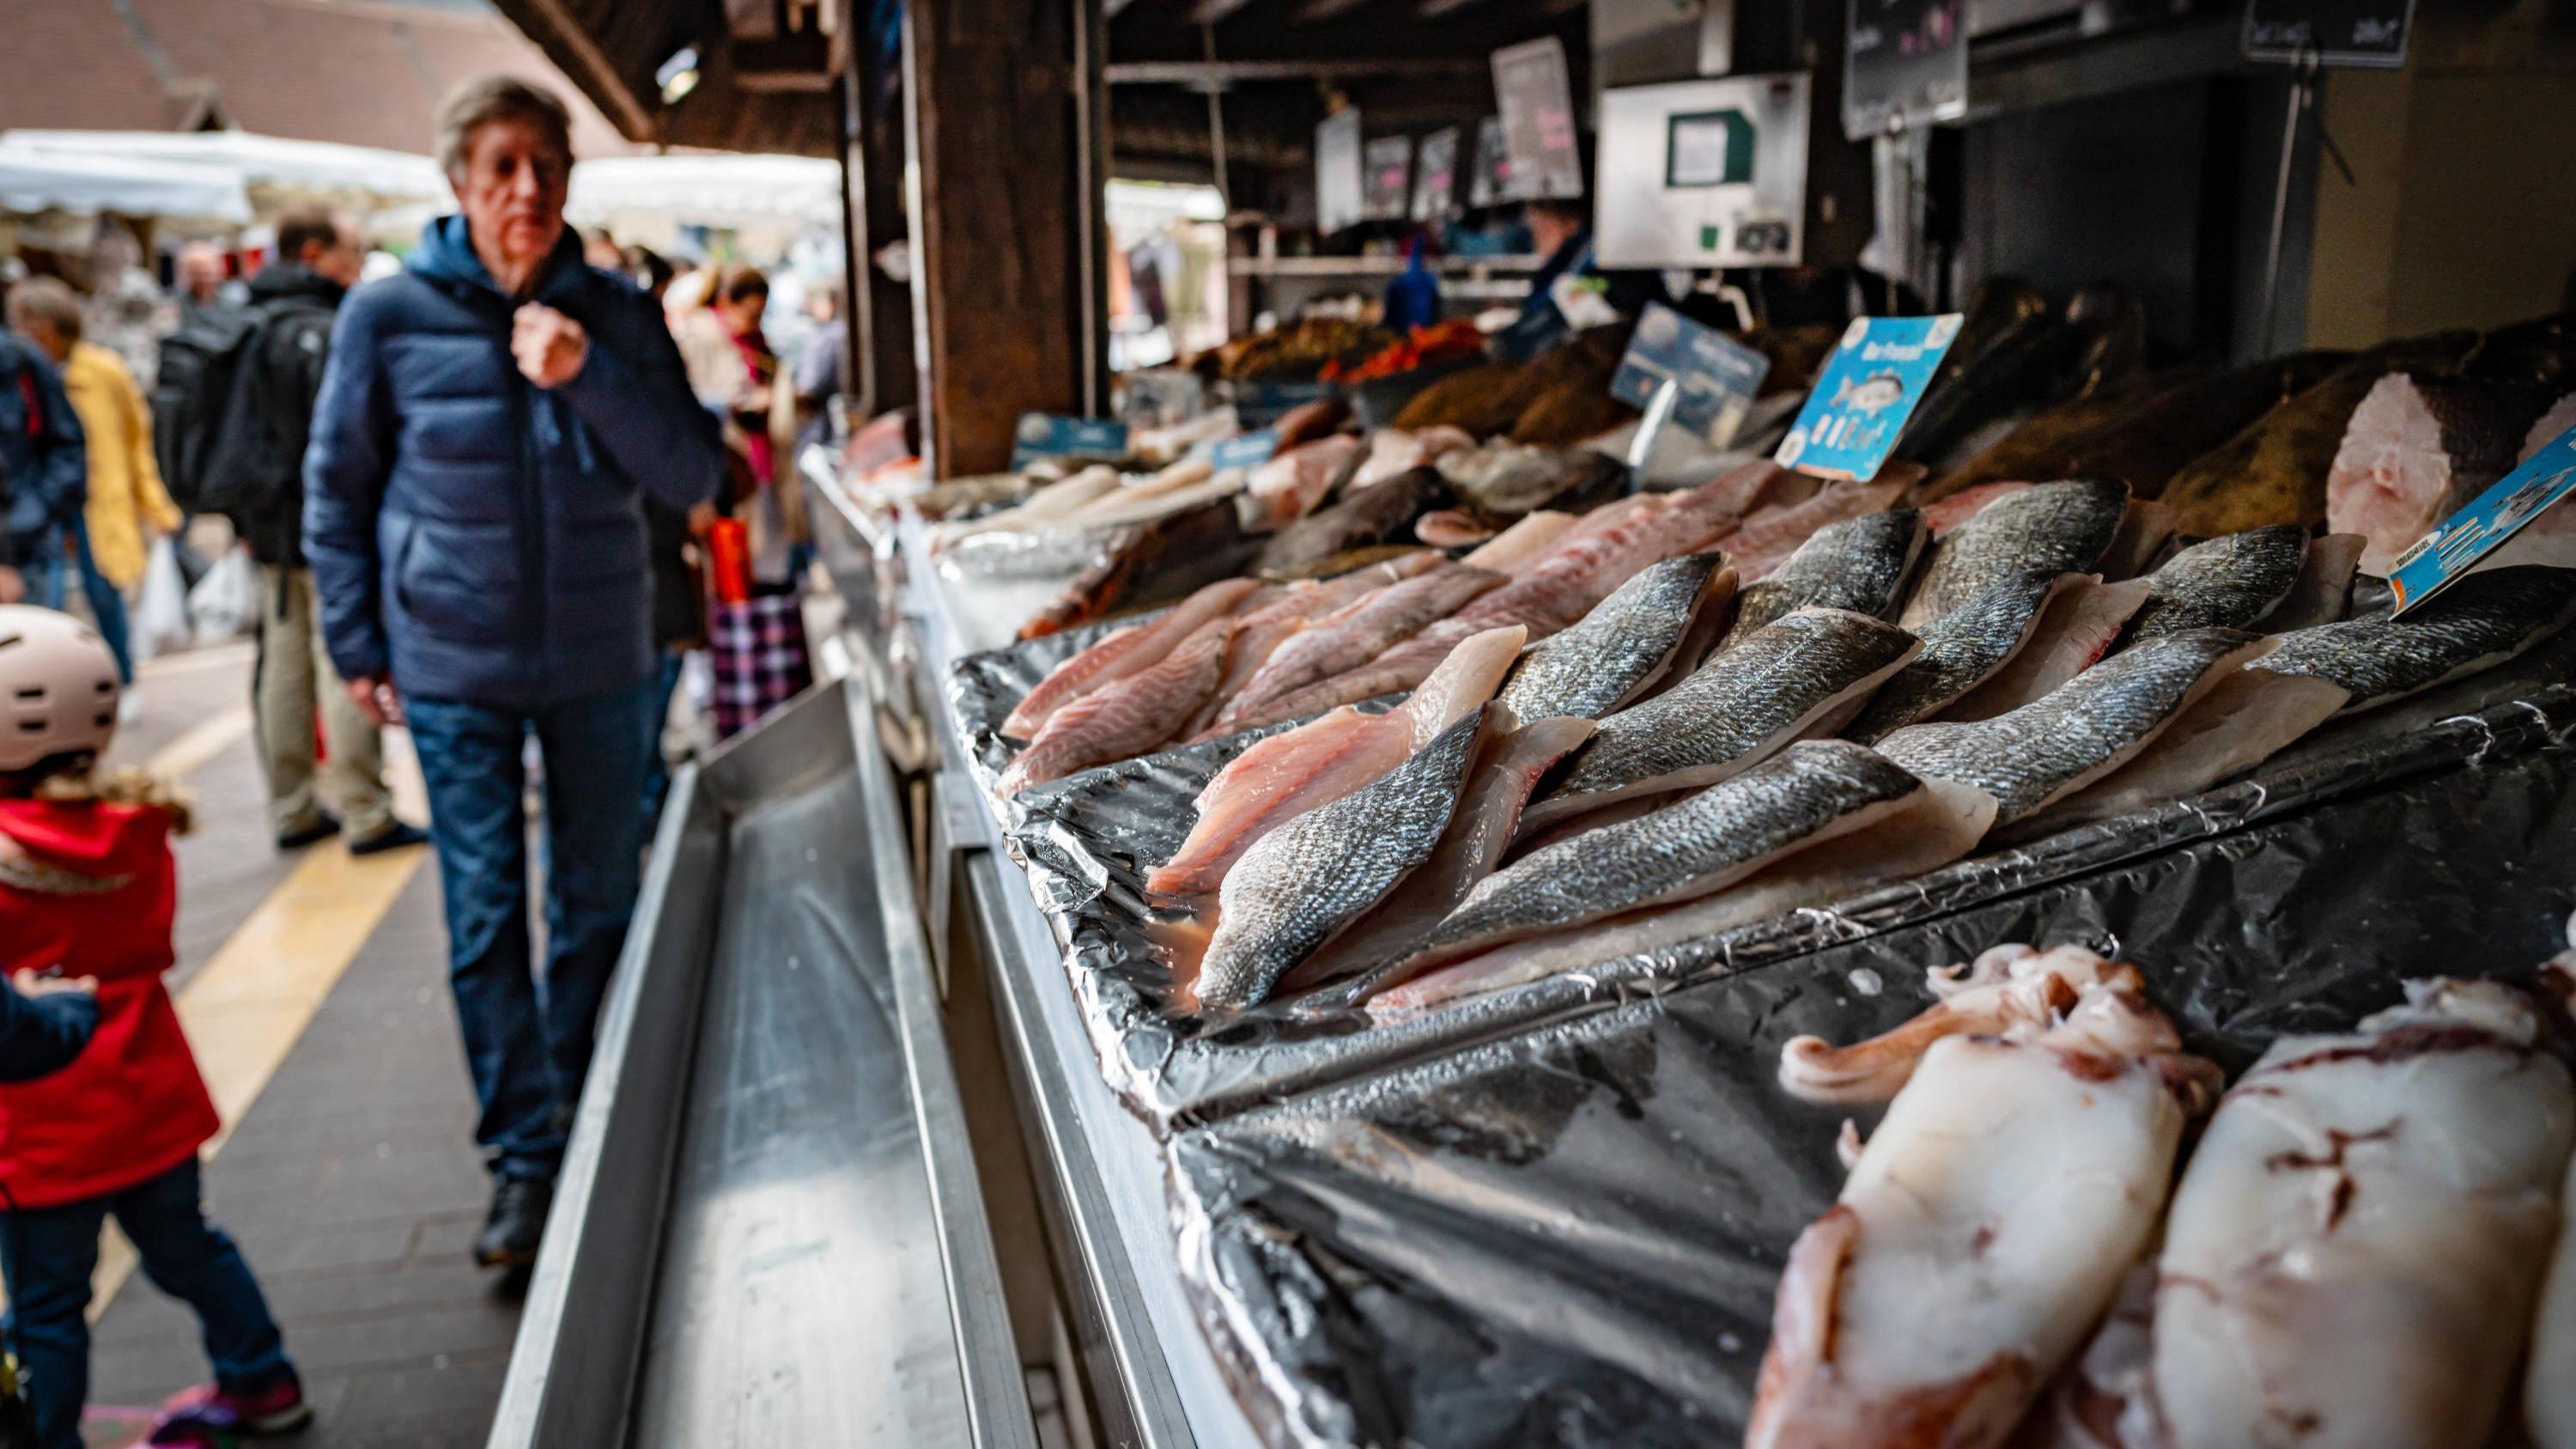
(57, 687)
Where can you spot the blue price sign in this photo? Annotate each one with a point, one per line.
(1870, 386)
(2471, 534)
(1714, 376)
(1243, 450)
(1052, 435)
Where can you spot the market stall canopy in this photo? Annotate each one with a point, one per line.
(36, 181)
(709, 190)
(249, 162)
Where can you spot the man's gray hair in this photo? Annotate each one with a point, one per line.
(489, 98)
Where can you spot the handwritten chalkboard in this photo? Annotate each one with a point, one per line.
(1386, 178)
(1537, 102)
(1904, 61)
(1435, 175)
(1490, 184)
(2334, 32)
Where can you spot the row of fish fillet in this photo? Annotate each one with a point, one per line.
(1659, 767)
(2366, 1242)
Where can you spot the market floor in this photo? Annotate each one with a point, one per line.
(314, 990)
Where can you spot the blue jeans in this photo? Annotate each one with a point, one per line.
(48, 586)
(657, 713)
(527, 1043)
(50, 1252)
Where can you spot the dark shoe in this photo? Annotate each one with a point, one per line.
(324, 826)
(397, 836)
(213, 1416)
(518, 1221)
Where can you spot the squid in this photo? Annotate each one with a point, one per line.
(1985, 1227)
(2549, 1384)
(2349, 1260)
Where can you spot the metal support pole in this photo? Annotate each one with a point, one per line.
(2303, 93)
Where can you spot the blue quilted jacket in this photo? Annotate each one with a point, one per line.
(474, 535)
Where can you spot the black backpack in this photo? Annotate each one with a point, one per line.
(251, 469)
(193, 393)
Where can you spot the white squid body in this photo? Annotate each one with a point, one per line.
(2352, 1256)
(1982, 1231)
(2549, 1384)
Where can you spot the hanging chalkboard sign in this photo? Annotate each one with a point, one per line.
(1490, 184)
(1386, 178)
(1435, 175)
(2332, 32)
(1537, 102)
(1905, 62)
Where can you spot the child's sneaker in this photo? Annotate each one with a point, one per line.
(210, 1417)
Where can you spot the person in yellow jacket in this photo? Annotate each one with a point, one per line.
(127, 502)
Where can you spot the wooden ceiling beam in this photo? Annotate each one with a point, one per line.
(569, 43)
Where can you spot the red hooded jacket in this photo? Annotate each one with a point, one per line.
(91, 889)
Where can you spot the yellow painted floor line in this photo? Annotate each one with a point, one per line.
(248, 1007)
(203, 741)
(235, 654)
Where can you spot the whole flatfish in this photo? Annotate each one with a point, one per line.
(2080, 731)
(1961, 650)
(1796, 677)
(1623, 645)
(2233, 581)
(2477, 623)
(1810, 793)
(2064, 528)
(1302, 883)
(1861, 564)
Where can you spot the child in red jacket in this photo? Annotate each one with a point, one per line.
(88, 888)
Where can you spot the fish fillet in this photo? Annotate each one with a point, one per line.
(1131, 650)
(1961, 650)
(2474, 625)
(1303, 883)
(2247, 717)
(1807, 795)
(2081, 731)
(1613, 653)
(1289, 486)
(2323, 593)
(2076, 627)
(2233, 581)
(1395, 450)
(1507, 768)
(1941, 825)
(1521, 544)
(1127, 717)
(1357, 633)
(1049, 505)
(2065, 528)
(1260, 631)
(1862, 564)
(2351, 1258)
(1289, 774)
(1800, 676)
(1957, 508)
(1982, 1232)
(1768, 536)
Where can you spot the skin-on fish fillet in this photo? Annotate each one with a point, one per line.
(2247, 717)
(1507, 768)
(2352, 1257)
(1125, 718)
(2475, 624)
(2066, 527)
(1259, 631)
(1131, 650)
(2145, 528)
(1943, 824)
(1357, 633)
(2076, 627)
(1983, 1229)
(1965, 504)
(1613, 654)
(2323, 592)
(1961, 650)
(1808, 795)
(1303, 883)
(1801, 676)
(1767, 537)
(1289, 774)
(1050, 505)
(1522, 544)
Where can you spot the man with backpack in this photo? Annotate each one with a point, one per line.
(254, 476)
(44, 462)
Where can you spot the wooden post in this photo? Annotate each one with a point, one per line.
(1003, 98)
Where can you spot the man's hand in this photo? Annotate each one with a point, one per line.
(375, 698)
(550, 346)
(13, 588)
(32, 985)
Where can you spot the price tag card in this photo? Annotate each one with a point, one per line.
(2471, 534)
(1259, 404)
(1243, 450)
(1714, 376)
(2330, 32)
(1871, 385)
(1053, 435)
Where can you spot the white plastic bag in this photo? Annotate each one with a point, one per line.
(225, 603)
(160, 622)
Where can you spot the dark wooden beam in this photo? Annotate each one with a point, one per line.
(1004, 246)
(569, 43)
(1207, 74)
(800, 62)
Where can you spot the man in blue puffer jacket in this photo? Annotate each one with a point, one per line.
(487, 422)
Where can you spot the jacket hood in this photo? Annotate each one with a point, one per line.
(281, 280)
(446, 257)
(96, 839)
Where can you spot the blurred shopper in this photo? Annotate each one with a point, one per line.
(44, 467)
(257, 479)
(127, 504)
(1569, 293)
(818, 368)
(486, 423)
(125, 311)
(204, 278)
(88, 884)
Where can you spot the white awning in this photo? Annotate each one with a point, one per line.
(252, 161)
(36, 181)
(707, 190)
